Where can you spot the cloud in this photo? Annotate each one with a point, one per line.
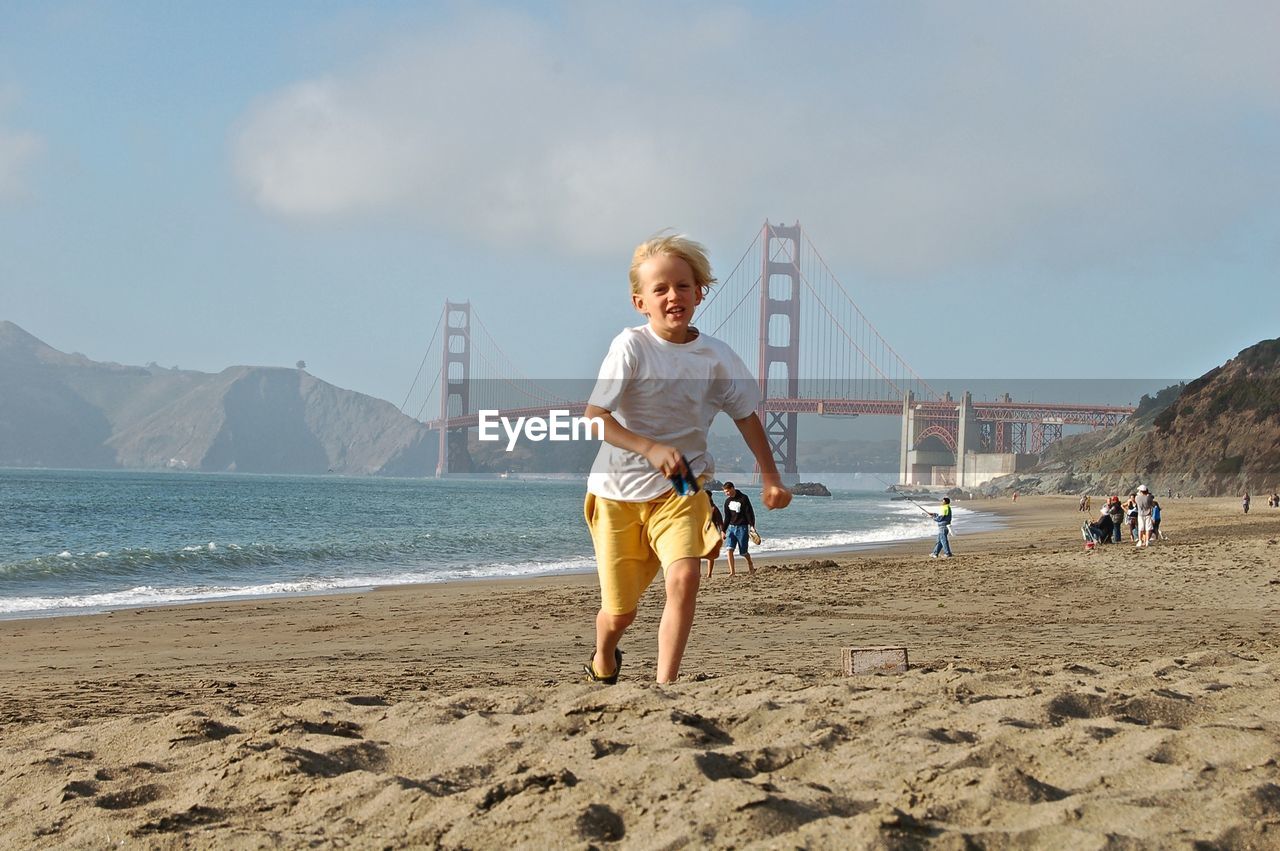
(18, 150)
(912, 139)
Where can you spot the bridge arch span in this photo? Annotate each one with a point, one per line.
(945, 437)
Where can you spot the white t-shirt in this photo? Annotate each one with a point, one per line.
(668, 392)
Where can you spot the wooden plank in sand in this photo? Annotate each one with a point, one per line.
(874, 660)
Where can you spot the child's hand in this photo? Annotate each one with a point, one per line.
(667, 459)
(776, 496)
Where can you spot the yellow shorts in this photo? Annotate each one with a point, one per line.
(634, 539)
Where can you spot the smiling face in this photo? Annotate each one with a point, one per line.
(668, 295)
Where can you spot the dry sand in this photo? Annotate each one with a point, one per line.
(1057, 699)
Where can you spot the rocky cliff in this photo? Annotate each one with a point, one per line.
(1217, 435)
(61, 410)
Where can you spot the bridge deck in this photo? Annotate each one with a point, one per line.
(1097, 416)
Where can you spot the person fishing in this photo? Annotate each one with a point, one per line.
(943, 518)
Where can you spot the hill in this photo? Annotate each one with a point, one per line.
(1216, 435)
(65, 410)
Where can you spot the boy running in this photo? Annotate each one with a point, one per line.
(659, 388)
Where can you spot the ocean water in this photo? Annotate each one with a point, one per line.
(80, 541)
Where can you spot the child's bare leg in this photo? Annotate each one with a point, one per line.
(677, 616)
(609, 629)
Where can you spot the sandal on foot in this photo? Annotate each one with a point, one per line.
(610, 680)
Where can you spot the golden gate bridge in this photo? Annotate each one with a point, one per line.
(815, 352)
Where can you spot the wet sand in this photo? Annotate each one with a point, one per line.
(1057, 698)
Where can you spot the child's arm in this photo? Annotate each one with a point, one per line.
(774, 493)
(663, 457)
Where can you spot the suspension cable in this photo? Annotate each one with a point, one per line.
(425, 355)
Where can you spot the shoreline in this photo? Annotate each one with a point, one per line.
(1031, 520)
(833, 551)
(1055, 698)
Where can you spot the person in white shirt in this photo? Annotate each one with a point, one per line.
(659, 388)
(1145, 503)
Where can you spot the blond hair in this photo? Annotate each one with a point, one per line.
(675, 245)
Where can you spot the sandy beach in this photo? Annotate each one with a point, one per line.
(1056, 699)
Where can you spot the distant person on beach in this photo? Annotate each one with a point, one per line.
(1155, 521)
(1131, 513)
(1244, 503)
(660, 386)
(1116, 511)
(943, 518)
(717, 523)
(1083, 503)
(1145, 504)
(739, 519)
(1102, 530)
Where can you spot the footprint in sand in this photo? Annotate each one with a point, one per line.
(79, 789)
(126, 799)
(194, 816)
(601, 823)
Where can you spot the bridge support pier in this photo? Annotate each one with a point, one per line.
(950, 426)
(455, 379)
(780, 341)
(908, 438)
(966, 431)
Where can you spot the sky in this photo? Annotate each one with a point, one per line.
(1020, 189)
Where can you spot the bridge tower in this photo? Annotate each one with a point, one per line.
(780, 340)
(455, 378)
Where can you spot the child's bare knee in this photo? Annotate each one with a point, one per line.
(618, 621)
(683, 578)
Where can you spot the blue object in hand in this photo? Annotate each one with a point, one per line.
(683, 480)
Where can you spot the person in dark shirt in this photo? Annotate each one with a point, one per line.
(739, 517)
(1116, 511)
(1103, 529)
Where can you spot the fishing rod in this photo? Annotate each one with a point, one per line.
(907, 498)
